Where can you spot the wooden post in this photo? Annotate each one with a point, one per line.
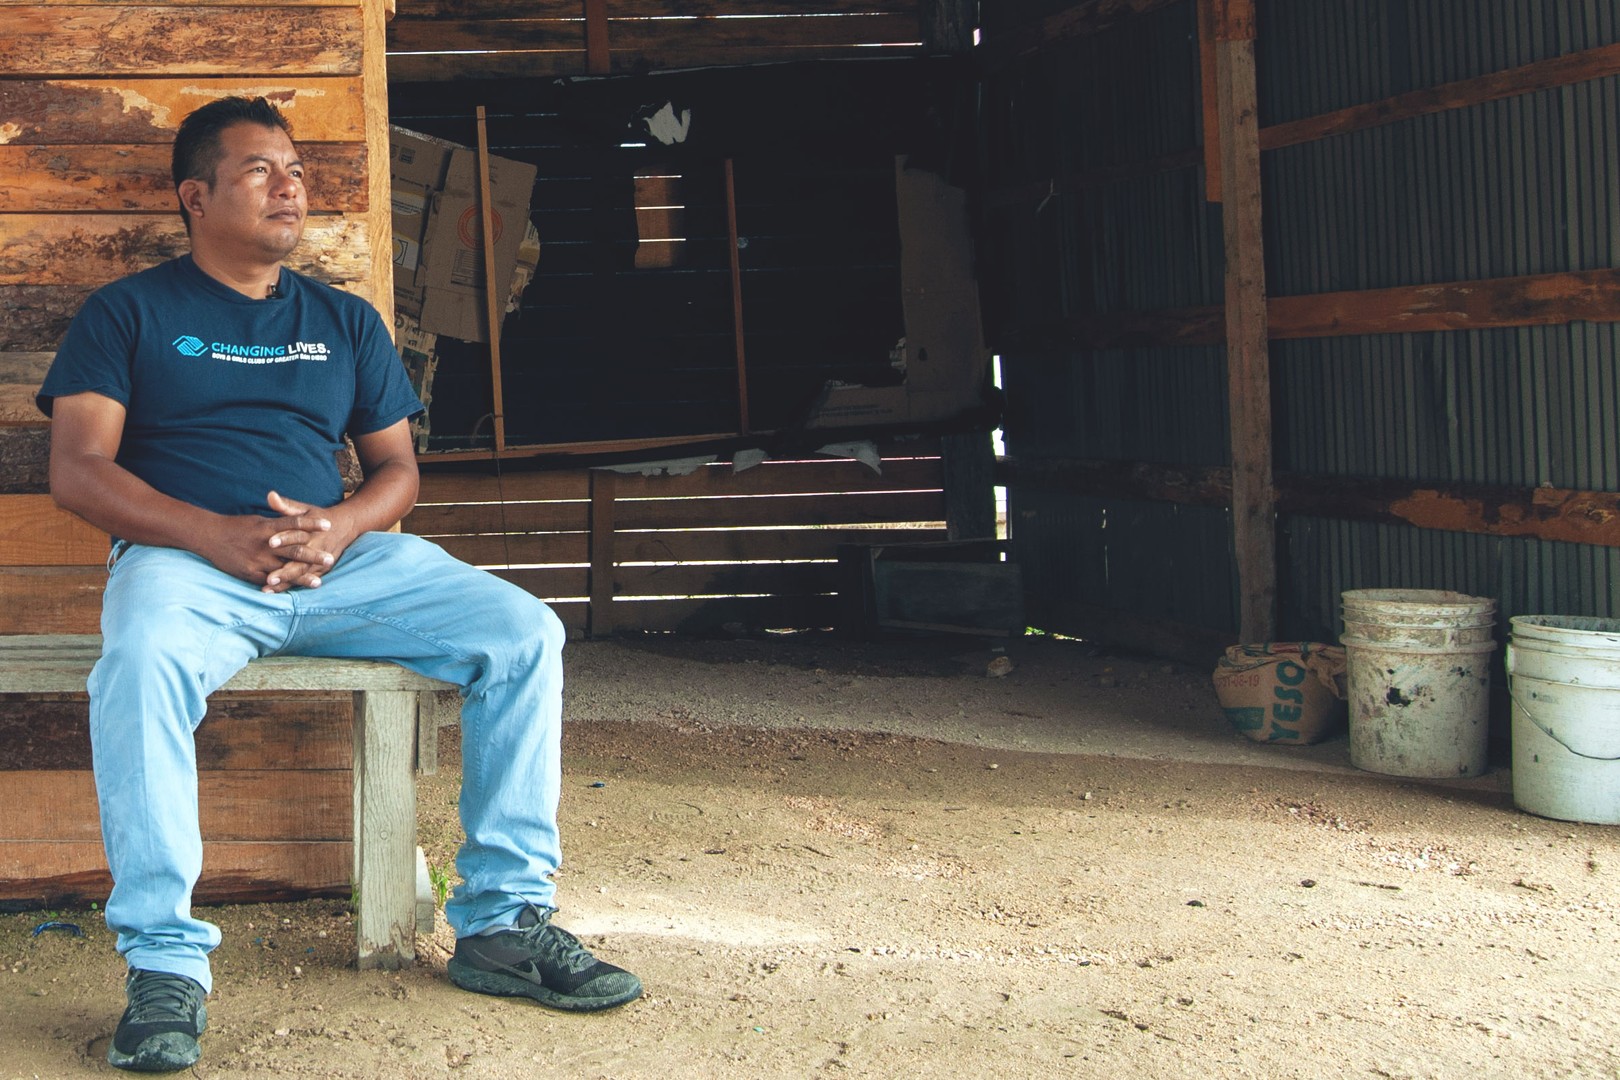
(374, 74)
(1254, 499)
(736, 301)
(385, 827)
(600, 617)
(598, 58)
(494, 303)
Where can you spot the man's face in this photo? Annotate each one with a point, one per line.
(255, 208)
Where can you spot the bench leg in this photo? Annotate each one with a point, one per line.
(385, 827)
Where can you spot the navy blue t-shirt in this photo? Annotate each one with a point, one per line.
(228, 397)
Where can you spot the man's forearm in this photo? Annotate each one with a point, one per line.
(385, 496)
(115, 500)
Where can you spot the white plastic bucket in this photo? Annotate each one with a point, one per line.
(1418, 663)
(1564, 678)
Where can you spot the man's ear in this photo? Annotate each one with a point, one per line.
(191, 194)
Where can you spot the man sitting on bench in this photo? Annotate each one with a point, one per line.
(198, 408)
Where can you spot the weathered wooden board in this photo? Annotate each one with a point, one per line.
(74, 874)
(788, 478)
(93, 249)
(734, 580)
(649, 38)
(1578, 517)
(451, 519)
(66, 112)
(282, 804)
(1538, 300)
(52, 599)
(438, 50)
(241, 731)
(767, 544)
(519, 550)
(511, 486)
(34, 531)
(137, 177)
(645, 9)
(1566, 70)
(706, 616)
(33, 318)
(20, 376)
(150, 39)
(853, 508)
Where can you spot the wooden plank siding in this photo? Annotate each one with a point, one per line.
(489, 38)
(757, 547)
(90, 97)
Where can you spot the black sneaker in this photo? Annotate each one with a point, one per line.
(540, 961)
(158, 1032)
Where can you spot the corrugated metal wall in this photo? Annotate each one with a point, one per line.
(1524, 185)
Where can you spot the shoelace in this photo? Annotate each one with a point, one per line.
(559, 946)
(157, 995)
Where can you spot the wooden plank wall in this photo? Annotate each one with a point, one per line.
(458, 39)
(755, 549)
(90, 96)
(274, 795)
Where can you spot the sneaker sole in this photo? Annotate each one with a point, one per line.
(169, 1052)
(500, 984)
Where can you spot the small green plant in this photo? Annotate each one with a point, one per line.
(439, 878)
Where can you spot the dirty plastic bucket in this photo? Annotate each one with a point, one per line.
(1419, 672)
(1564, 678)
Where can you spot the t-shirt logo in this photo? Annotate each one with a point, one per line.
(189, 346)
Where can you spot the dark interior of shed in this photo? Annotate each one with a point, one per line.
(627, 331)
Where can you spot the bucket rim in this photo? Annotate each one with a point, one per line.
(1431, 599)
(1559, 625)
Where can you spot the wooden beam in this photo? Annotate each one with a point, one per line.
(378, 286)
(1577, 67)
(1248, 360)
(1535, 300)
(598, 56)
(493, 303)
(603, 557)
(737, 299)
(1542, 513)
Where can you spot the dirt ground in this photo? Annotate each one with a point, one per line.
(878, 860)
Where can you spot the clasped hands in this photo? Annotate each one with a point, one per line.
(278, 553)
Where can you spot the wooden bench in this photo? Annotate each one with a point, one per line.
(387, 863)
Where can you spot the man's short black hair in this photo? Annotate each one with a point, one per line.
(197, 143)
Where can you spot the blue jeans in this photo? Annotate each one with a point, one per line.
(175, 629)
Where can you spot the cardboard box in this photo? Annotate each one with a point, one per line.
(418, 159)
(451, 270)
(410, 203)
